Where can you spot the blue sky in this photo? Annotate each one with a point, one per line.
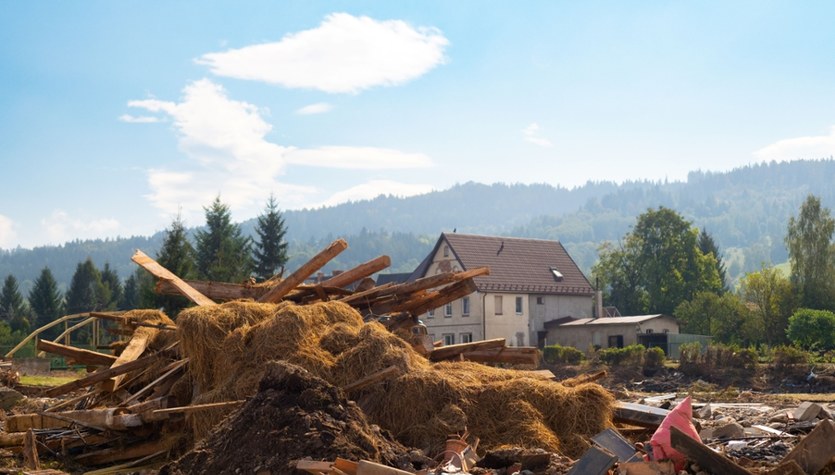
(114, 116)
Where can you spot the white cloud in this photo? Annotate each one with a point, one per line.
(375, 188)
(318, 108)
(8, 235)
(345, 54)
(229, 154)
(532, 134)
(360, 158)
(61, 227)
(145, 119)
(819, 146)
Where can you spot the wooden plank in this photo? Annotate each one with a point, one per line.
(31, 460)
(595, 461)
(583, 378)
(451, 351)
(445, 295)
(359, 272)
(79, 355)
(101, 375)
(438, 280)
(639, 414)
(200, 407)
(161, 272)
(278, 292)
(117, 454)
(369, 294)
(167, 372)
(373, 378)
(101, 418)
(136, 346)
(703, 455)
(217, 291)
(24, 422)
(12, 439)
(313, 466)
(510, 355)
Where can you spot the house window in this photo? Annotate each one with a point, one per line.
(518, 305)
(615, 341)
(449, 338)
(557, 274)
(649, 330)
(431, 314)
(448, 310)
(465, 306)
(446, 251)
(540, 301)
(497, 304)
(466, 338)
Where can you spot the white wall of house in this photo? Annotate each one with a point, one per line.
(585, 337)
(545, 307)
(507, 316)
(453, 324)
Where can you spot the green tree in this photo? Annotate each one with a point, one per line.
(112, 287)
(223, 253)
(271, 248)
(86, 292)
(708, 246)
(176, 255)
(725, 317)
(46, 302)
(772, 300)
(13, 309)
(810, 253)
(812, 329)
(130, 295)
(658, 266)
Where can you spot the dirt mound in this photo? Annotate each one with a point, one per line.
(294, 415)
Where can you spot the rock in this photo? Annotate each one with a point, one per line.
(780, 417)
(731, 430)
(9, 398)
(705, 412)
(807, 411)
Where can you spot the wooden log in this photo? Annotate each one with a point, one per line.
(583, 378)
(359, 272)
(438, 280)
(369, 294)
(509, 355)
(136, 346)
(372, 379)
(12, 439)
(278, 292)
(167, 372)
(445, 295)
(703, 455)
(113, 418)
(161, 272)
(30, 451)
(79, 355)
(451, 351)
(217, 291)
(102, 375)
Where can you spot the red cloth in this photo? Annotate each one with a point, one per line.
(680, 418)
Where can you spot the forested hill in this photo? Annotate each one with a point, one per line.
(746, 210)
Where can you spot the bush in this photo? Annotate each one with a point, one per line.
(629, 355)
(654, 357)
(812, 329)
(718, 362)
(556, 354)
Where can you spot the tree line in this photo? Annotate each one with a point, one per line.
(220, 252)
(666, 265)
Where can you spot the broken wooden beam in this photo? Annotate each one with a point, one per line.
(510, 355)
(583, 378)
(199, 407)
(217, 291)
(136, 346)
(703, 455)
(24, 422)
(161, 272)
(639, 414)
(78, 355)
(357, 273)
(452, 351)
(275, 294)
(101, 375)
(135, 451)
(444, 296)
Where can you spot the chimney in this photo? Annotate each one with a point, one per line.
(598, 304)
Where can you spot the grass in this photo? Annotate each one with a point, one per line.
(47, 380)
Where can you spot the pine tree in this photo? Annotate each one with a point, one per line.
(223, 253)
(176, 255)
(130, 295)
(271, 250)
(708, 246)
(113, 287)
(46, 302)
(13, 309)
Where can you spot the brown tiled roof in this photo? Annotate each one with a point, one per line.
(516, 264)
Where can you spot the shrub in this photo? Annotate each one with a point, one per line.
(718, 362)
(654, 357)
(628, 355)
(557, 354)
(812, 329)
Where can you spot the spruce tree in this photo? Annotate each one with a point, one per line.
(86, 292)
(223, 253)
(271, 249)
(708, 246)
(13, 309)
(46, 302)
(130, 294)
(113, 287)
(176, 255)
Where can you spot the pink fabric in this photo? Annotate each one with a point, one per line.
(680, 418)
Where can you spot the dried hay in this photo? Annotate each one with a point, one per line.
(420, 407)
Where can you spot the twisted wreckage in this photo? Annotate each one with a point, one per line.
(285, 376)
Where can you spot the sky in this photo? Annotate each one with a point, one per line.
(115, 117)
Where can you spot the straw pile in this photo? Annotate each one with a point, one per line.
(230, 344)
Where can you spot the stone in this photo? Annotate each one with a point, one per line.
(9, 398)
(807, 411)
(730, 430)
